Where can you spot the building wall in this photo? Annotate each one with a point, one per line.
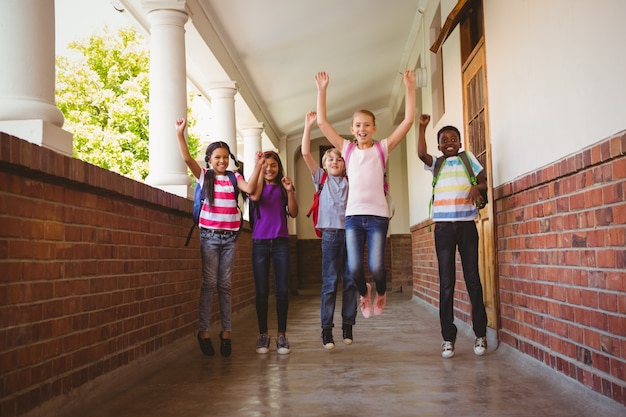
(398, 262)
(94, 274)
(561, 237)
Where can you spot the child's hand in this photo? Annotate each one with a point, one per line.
(322, 80)
(424, 120)
(259, 159)
(287, 183)
(180, 125)
(474, 196)
(310, 118)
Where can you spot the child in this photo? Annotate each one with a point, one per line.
(219, 228)
(332, 223)
(367, 213)
(273, 200)
(453, 211)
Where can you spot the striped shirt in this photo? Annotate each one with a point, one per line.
(450, 202)
(224, 213)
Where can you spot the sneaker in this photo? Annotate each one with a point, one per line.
(347, 334)
(447, 349)
(327, 339)
(206, 346)
(380, 301)
(480, 346)
(225, 346)
(282, 345)
(366, 302)
(263, 344)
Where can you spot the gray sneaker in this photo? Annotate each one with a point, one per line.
(282, 345)
(480, 346)
(447, 349)
(263, 344)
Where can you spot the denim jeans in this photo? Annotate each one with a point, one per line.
(449, 236)
(276, 250)
(373, 230)
(218, 259)
(334, 266)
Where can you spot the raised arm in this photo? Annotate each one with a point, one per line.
(251, 184)
(256, 194)
(409, 112)
(309, 120)
(292, 203)
(422, 151)
(322, 80)
(192, 164)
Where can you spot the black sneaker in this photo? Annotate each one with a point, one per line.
(206, 346)
(327, 339)
(347, 334)
(225, 347)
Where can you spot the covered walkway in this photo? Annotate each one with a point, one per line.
(394, 368)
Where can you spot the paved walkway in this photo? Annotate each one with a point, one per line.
(394, 368)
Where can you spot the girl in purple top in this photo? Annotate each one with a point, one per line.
(273, 200)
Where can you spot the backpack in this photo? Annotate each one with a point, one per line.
(468, 170)
(315, 208)
(198, 201)
(378, 146)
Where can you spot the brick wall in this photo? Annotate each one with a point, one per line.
(561, 233)
(94, 273)
(397, 262)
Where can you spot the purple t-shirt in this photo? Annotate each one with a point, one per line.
(272, 222)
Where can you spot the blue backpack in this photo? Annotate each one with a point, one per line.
(198, 201)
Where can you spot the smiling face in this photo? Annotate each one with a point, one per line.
(333, 162)
(449, 142)
(219, 160)
(273, 172)
(363, 127)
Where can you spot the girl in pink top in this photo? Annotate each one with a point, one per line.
(367, 214)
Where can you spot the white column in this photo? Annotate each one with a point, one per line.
(251, 144)
(168, 95)
(27, 97)
(223, 128)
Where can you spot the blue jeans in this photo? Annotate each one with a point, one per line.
(218, 259)
(373, 230)
(276, 250)
(449, 236)
(334, 266)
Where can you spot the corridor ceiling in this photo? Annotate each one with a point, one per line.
(274, 48)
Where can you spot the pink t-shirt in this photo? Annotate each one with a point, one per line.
(224, 213)
(366, 194)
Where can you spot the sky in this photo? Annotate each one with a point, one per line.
(79, 19)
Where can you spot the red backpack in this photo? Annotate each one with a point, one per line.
(315, 207)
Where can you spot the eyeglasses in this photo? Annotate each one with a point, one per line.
(451, 140)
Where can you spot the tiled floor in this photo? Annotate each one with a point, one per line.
(394, 368)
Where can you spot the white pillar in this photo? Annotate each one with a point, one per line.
(251, 144)
(27, 97)
(223, 128)
(168, 95)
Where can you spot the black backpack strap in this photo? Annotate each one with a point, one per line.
(468, 168)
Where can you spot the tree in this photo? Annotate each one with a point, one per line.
(103, 93)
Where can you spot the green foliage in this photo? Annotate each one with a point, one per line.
(103, 92)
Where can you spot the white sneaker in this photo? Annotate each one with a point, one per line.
(480, 346)
(447, 349)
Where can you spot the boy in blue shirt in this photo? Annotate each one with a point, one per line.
(332, 223)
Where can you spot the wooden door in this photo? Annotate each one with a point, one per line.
(477, 141)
